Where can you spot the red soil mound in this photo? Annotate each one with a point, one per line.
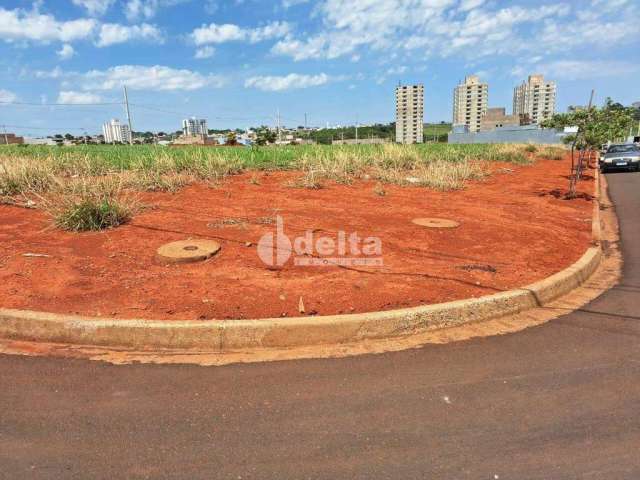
(514, 230)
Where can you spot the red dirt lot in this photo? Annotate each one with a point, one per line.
(514, 229)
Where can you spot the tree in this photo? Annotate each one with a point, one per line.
(596, 126)
(232, 138)
(264, 136)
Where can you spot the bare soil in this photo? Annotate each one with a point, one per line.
(516, 228)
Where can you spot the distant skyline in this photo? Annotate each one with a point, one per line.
(236, 62)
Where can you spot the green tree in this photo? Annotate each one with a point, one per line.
(232, 138)
(596, 126)
(264, 136)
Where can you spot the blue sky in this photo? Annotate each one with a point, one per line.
(236, 62)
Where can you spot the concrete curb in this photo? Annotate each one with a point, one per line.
(234, 335)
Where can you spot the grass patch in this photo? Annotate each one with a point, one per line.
(92, 214)
(21, 176)
(551, 153)
(76, 176)
(90, 204)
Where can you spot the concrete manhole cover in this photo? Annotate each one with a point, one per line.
(435, 222)
(187, 251)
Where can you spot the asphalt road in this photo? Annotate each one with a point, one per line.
(557, 401)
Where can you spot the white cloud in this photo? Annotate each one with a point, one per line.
(94, 7)
(314, 47)
(78, 98)
(204, 52)
(156, 78)
(16, 25)
(57, 72)
(215, 33)
(288, 82)
(579, 69)
(65, 52)
(594, 31)
(292, 3)
(471, 28)
(137, 9)
(7, 97)
(113, 33)
(466, 5)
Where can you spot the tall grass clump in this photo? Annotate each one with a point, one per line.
(20, 176)
(92, 213)
(155, 168)
(90, 204)
(552, 153)
(438, 175)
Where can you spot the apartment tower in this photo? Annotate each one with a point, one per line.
(192, 127)
(536, 98)
(116, 132)
(409, 113)
(470, 101)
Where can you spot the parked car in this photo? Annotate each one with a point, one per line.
(621, 157)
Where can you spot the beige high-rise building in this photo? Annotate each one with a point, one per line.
(470, 101)
(409, 113)
(536, 98)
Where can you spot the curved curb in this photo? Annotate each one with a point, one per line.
(233, 335)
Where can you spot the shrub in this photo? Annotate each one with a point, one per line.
(90, 204)
(552, 153)
(86, 214)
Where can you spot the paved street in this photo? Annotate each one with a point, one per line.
(557, 401)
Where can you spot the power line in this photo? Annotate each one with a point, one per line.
(23, 127)
(183, 114)
(32, 104)
(138, 105)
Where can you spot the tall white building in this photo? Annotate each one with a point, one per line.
(409, 113)
(470, 102)
(192, 127)
(116, 132)
(536, 98)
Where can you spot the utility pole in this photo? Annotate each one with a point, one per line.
(6, 138)
(357, 130)
(126, 103)
(278, 122)
(305, 121)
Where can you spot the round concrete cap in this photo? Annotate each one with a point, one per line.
(436, 222)
(187, 251)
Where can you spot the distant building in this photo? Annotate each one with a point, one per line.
(10, 139)
(194, 126)
(470, 100)
(536, 98)
(39, 141)
(509, 134)
(409, 113)
(195, 140)
(116, 132)
(497, 118)
(576, 108)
